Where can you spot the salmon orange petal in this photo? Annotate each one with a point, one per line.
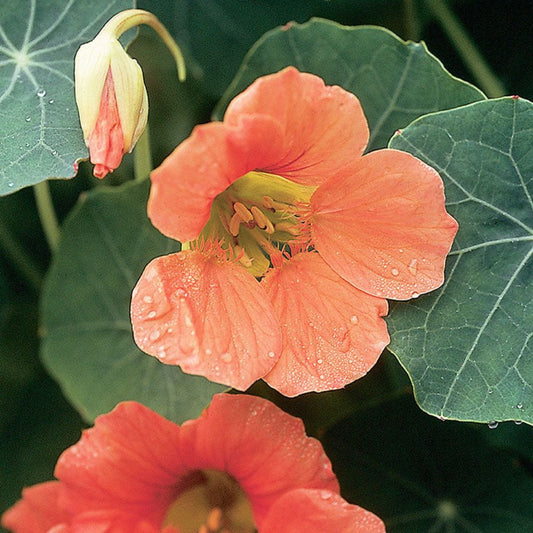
(263, 448)
(117, 467)
(204, 165)
(382, 225)
(38, 510)
(332, 332)
(323, 127)
(210, 317)
(319, 511)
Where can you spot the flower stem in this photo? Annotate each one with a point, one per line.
(142, 156)
(47, 214)
(467, 49)
(26, 267)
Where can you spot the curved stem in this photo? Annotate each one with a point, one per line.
(47, 214)
(466, 48)
(142, 156)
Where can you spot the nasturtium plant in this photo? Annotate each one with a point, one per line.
(340, 226)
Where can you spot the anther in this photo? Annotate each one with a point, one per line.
(243, 212)
(261, 220)
(268, 203)
(214, 519)
(234, 224)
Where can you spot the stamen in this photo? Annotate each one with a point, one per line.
(214, 520)
(288, 227)
(261, 220)
(243, 212)
(234, 224)
(242, 256)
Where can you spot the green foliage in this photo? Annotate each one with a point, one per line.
(87, 340)
(420, 474)
(395, 81)
(467, 346)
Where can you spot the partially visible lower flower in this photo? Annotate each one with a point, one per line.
(110, 91)
(242, 466)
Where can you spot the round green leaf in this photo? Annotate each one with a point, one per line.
(39, 126)
(87, 340)
(422, 475)
(467, 347)
(396, 81)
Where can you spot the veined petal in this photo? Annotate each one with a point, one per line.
(323, 127)
(203, 166)
(37, 511)
(117, 467)
(319, 511)
(382, 225)
(263, 448)
(332, 332)
(209, 316)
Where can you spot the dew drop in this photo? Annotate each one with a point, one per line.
(271, 355)
(226, 357)
(28, 119)
(413, 266)
(41, 92)
(148, 299)
(10, 184)
(518, 422)
(320, 361)
(400, 250)
(415, 295)
(395, 271)
(151, 314)
(354, 319)
(155, 335)
(519, 406)
(51, 101)
(325, 494)
(208, 351)
(321, 376)
(493, 424)
(490, 391)
(54, 152)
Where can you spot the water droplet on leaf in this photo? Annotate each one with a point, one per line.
(493, 424)
(41, 92)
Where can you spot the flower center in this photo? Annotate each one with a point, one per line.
(214, 503)
(257, 216)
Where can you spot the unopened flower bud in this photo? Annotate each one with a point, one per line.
(110, 91)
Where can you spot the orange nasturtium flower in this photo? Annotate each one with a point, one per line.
(280, 191)
(243, 466)
(110, 91)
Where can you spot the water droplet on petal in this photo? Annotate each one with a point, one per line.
(155, 335)
(41, 92)
(395, 271)
(271, 355)
(321, 376)
(493, 424)
(226, 357)
(151, 314)
(413, 266)
(325, 494)
(354, 319)
(148, 299)
(400, 250)
(320, 361)
(415, 295)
